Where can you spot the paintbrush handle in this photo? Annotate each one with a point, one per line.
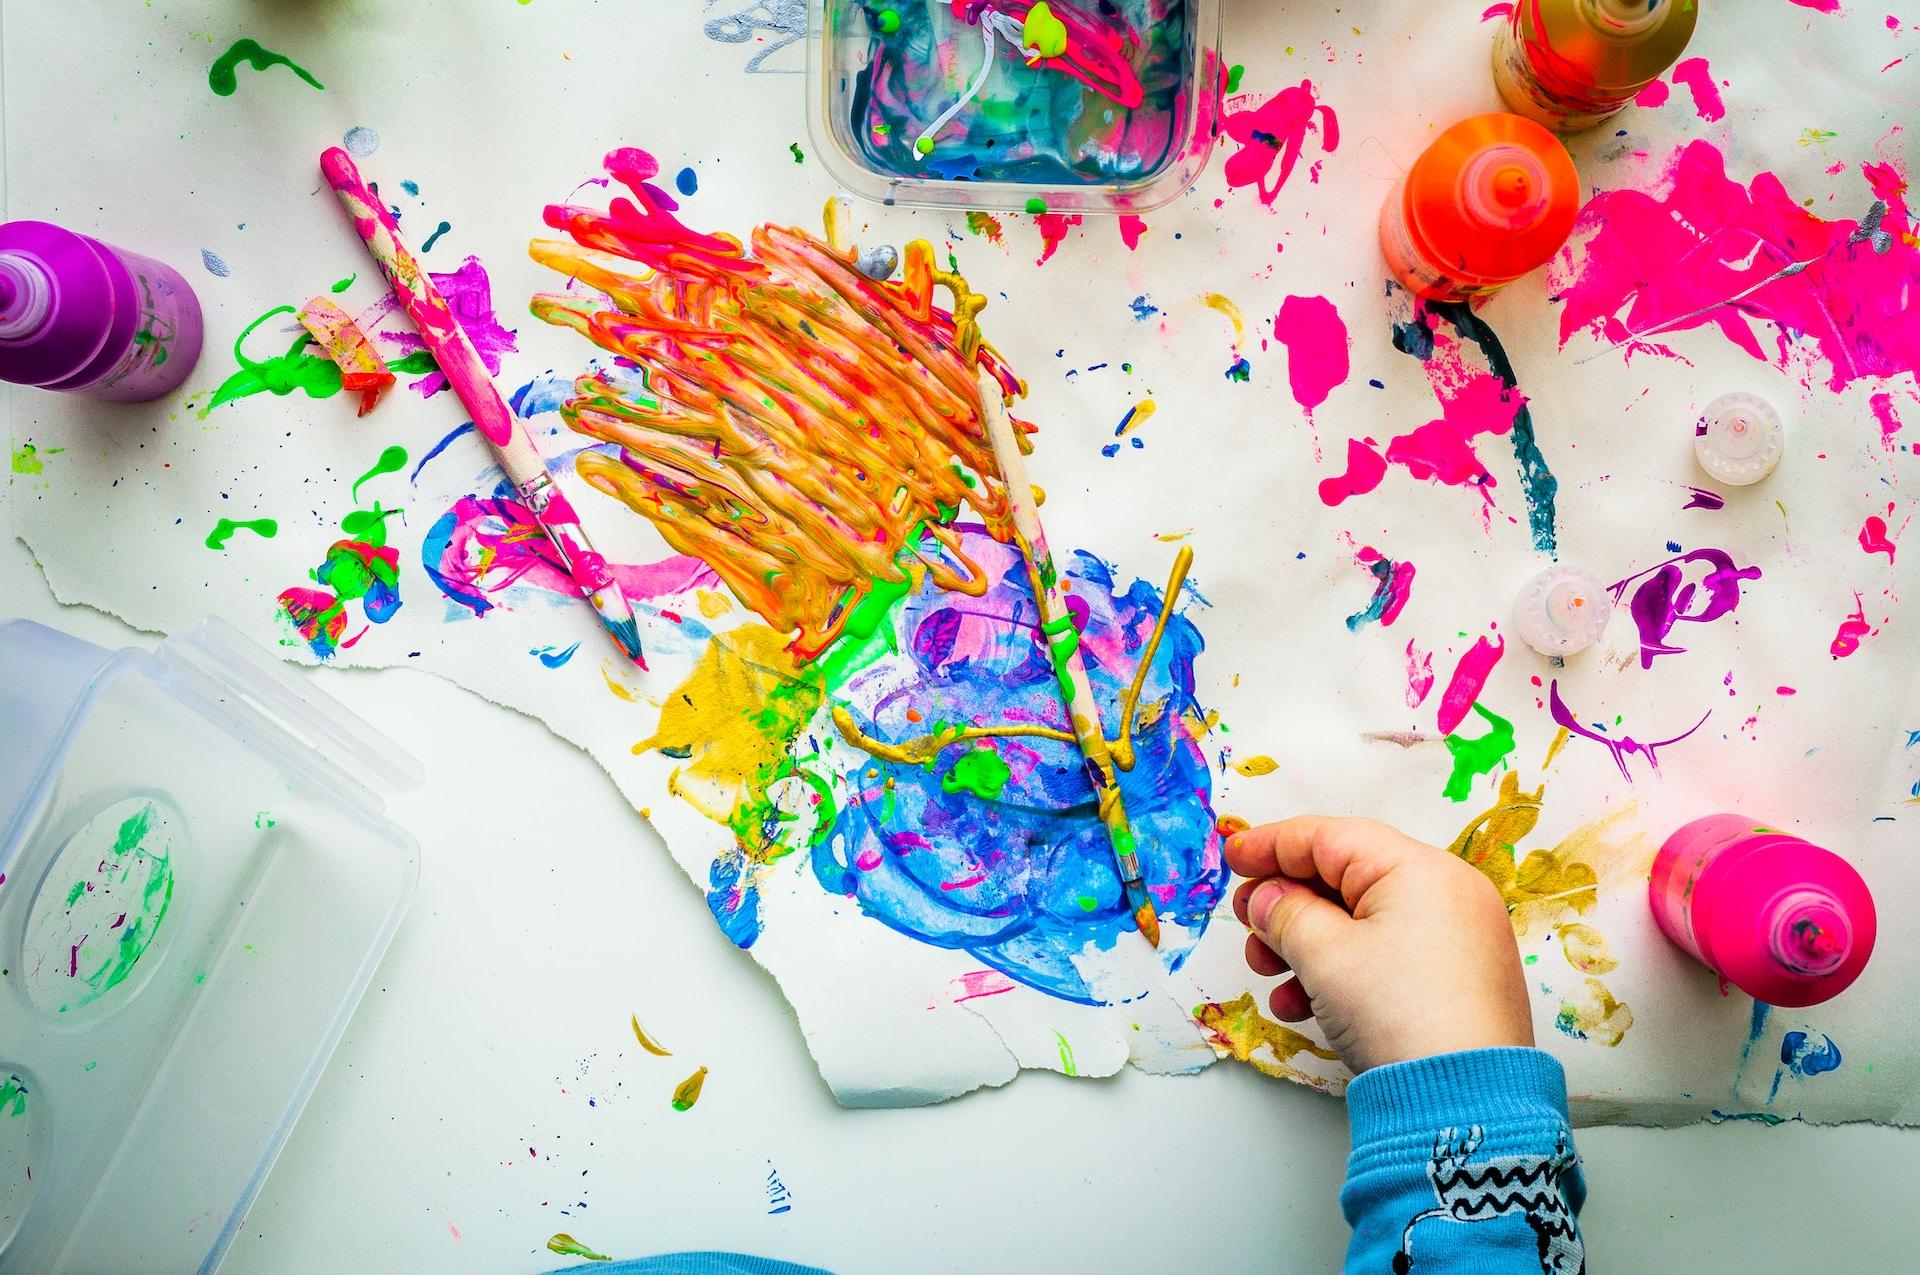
(467, 373)
(1056, 625)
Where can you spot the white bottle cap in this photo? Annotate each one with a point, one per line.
(1739, 439)
(1562, 611)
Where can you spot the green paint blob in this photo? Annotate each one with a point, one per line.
(565, 1244)
(265, 528)
(341, 285)
(224, 79)
(368, 525)
(1062, 641)
(1233, 77)
(26, 458)
(1066, 1055)
(1087, 903)
(143, 919)
(263, 821)
(1043, 33)
(1036, 205)
(392, 461)
(1475, 757)
(923, 146)
(889, 21)
(799, 156)
(13, 1096)
(980, 772)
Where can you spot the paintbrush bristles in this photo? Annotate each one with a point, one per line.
(1063, 649)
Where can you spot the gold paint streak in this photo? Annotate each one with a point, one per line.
(620, 689)
(1586, 949)
(1241, 1030)
(1254, 767)
(712, 603)
(924, 748)
(1225, 305)
(687, 1092)
(1546, 886)
(647, 1042)
(1122, 748)
(1142, 413)
(1553, 749)
(1592, 1010)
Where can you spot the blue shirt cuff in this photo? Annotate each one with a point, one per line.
(1395, 1109)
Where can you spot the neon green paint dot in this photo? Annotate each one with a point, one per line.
(923, 146)
(1036, 205)
(1233, 78)
(889, 22)
(1087, 902)
(1042, 33)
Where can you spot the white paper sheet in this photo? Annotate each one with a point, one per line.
(496, 110)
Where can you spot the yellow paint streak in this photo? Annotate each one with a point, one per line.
(720, 714)
(1592, 1010)
(1254, 767)
(712, 603)
(1122, 748)
(687, 1092)
(1586, 948)
(1215, 301)
(619, 689)
(647, 1042)
(1142, 413)
(1240, 1030)
(1546, 885)
(921, 749)
(1553, 749)
(1227, 825)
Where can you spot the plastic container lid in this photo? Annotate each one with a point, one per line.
(196, 884)
(1562, 611)
(964, 104)
(1493, 199)
(1739, 440)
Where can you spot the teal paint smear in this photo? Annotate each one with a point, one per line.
(434, 238)
(223, 78)
(143, 921)
(556, 659)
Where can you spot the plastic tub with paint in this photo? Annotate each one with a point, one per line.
(1021, 105)
(196, 882)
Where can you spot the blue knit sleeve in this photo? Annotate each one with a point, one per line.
(696, 1264)
(1463, 1163)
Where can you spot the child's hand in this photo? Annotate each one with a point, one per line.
(1402, 951)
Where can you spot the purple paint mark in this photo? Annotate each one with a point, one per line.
(1698, 77)
(1621, 748)
(1316, 341)
(1469, 678)
(469, 294)
(1666, 598)
(1700, 498)
(1365, 469)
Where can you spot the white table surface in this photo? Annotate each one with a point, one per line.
(499, 1024)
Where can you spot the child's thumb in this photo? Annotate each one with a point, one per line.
(1296, 921)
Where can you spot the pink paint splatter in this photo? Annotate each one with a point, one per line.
(1853, 630)
(1873, 537)
(1131, 228)
(1316, 341)
(1497, 11)
(469, 295)
(1276, 132)
(1652, 262)
(1654, 95)
(1394, 585)
(978, 983)
(1820, 6)
(1889, 423)
(1468, 680)
(1365, 469)
(1053, 232)
(1419, 675)
(1698, 77)
(1473, 402)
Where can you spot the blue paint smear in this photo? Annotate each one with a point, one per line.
(437, 448)
(546, 393)
(1241, 371)
(686, 181)
(215, 266)
(1800, 1055)
(1004, 880)
(361, 142)
(552, 658)
(411, 187)
(434, 238)
(1143, 309)
(1382, 596)
(1110, 450)
(1756, 1027)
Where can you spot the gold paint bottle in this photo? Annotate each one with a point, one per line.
(1572, 64)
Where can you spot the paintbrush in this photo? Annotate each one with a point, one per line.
(1063, 647)
(460, 363)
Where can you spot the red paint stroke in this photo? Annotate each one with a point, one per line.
(1652, 261)
(1053, 232)
(1666, 598)
(1698, 77)
(1131, 228)
(1622, 748)
(1853, 630)
(1316, 341)
(1365, 469)
(1468, 680)
(1419, 675)
(1873, 537)
(1275, 132)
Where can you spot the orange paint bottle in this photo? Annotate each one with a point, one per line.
(1493, 199)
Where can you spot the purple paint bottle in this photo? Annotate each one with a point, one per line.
(78, 314)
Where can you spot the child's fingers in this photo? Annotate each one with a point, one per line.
(1263, 960)
(1290, 1002)
(1350, 855)
(1295, 921)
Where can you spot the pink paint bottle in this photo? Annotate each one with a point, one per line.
(78, 314)
(1785, 921)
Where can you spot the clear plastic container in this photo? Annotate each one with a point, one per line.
(945, 103)
(196, 884)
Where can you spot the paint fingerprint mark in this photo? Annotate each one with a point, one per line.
(265, 528)
(360, 142)
(688, 1091)
(567, 1246)
(223, 77)
(647, 1042)
(214, 264)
